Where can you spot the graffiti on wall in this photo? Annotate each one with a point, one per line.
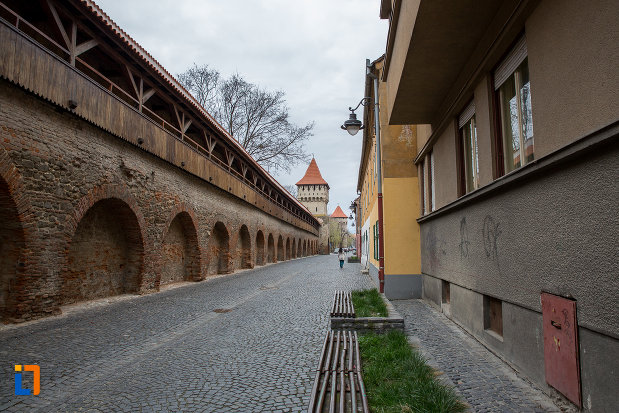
(464, 239)
(491, 233)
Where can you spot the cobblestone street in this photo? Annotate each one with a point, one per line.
(484, 381)
(172, 351)
(244, 342)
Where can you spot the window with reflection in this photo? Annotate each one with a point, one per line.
(514, 98)
(469, 149)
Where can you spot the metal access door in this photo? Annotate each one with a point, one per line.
(561, 346)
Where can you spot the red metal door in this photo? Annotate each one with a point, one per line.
(561, 346)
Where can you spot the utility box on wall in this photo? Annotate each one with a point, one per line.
(561, 346)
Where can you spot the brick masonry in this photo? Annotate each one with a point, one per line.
(87, 215)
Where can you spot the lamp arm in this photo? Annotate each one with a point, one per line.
(364, 101)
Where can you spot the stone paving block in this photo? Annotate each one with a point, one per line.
(485, 382)
(171, 352)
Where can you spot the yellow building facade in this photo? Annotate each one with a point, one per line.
(402, 263)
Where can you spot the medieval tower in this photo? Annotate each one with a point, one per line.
(313, 192)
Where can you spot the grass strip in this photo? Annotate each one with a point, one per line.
(397, 379)
(369, 303)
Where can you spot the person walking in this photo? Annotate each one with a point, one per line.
(342, 256)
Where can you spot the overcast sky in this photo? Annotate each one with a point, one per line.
(313, 50)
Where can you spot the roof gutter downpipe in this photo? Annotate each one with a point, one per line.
(381, 244)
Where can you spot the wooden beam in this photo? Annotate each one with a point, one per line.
(178, 117)
(86, 46)
(73, 42)
(186, 125)
(147, 95)
(140, 96)
(210, 143)
(131, 78)
(229, 157)
(63, 32)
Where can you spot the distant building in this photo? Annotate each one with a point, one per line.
(402, 262)
(339, 215)
(313, 192)
(339, 223)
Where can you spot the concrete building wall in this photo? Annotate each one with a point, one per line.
(554, 231)
(483, 121)
(549, 226)
(402, 248)
(98, 212)
(444, 150)
(573, 53)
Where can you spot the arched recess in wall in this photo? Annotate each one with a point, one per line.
(180, 251)
(106, 251)
(271, 249)
(243, 249)
(11, 246)
(294, 248)
(219, 262)
(280, 249)
(304, 248)
(288, 253)
(299, 248)
(260, 248)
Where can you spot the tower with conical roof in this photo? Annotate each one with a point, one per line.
(313, 190)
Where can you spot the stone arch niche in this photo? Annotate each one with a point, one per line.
(294, 248)
(11, 245)
(180, 252)
(220, 250)
(243, 249)
(288, 254)
(271, 250)
(280, 249)
(299, 248)
(106, 253)
(305, 248)
(260, 248)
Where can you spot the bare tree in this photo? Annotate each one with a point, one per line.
(258, 119)
(201, 82)
(293, 189)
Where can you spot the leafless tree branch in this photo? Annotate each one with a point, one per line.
(258, 119)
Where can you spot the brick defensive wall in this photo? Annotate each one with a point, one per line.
(113, 179)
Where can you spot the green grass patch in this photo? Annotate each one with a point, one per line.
(368, 303)
(397, 379)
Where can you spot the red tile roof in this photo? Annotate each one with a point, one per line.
(338, 213)
(312, 175)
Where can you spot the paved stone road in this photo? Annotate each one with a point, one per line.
(485, 382)
(171, 352)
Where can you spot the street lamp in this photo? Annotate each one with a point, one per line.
(352, 125)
